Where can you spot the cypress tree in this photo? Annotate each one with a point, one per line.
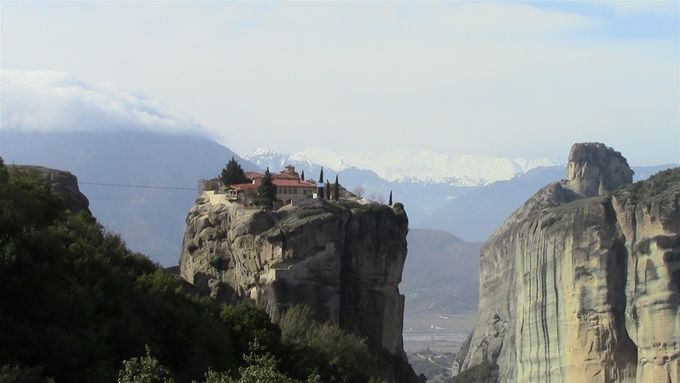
(233, 174)
(266, 192)
(302, 176)
(390, 202)
(336, 189)
(319, 186)
(328, 190)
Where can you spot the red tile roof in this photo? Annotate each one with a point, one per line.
(279, 182)
(250, 186)
(292, 183)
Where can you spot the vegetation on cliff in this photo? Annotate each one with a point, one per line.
(76, 303)
(233, 173)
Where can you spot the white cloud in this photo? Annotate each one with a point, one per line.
(55, 101)
(506, 79)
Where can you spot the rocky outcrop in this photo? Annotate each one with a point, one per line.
(344, 260)
(581, 284)
(62, 183)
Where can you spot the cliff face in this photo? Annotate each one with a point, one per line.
(344, 260)
(581, 284)
(62, 183)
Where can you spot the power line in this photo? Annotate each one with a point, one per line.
(137, 186)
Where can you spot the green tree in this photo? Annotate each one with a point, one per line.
(390, 201)
(319, 188)
(327, 190)
(145, 369)
(266, 192)
(15, 373)
(262, 367)
(302, 175)
(325, 349)
(233, 173)
(336, 189)
(250, 323)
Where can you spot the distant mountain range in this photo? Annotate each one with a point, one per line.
(424, 181)
(475, 215)
(409, 166)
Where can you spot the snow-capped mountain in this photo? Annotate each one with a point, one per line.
(406, 165)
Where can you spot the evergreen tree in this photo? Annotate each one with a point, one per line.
(390, 202)
(233, 174)
(319, 189)
(336, 189)
(266, 192)
(328, 190)
(302, 176)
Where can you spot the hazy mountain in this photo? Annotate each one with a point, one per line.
(150, 220)
(441, 273)
(420, 198)
(424, 181)
(475, 215)
(411, 166)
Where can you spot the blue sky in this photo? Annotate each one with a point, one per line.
(512, 78)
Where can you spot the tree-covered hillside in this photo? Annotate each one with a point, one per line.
(75, 303)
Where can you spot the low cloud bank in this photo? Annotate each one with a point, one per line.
(56, 101)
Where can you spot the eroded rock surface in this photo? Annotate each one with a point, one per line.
(581, 284)
(62, 183)
(344, 260)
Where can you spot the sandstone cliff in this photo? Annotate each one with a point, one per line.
(344, 260)
(582, 284)
(62, 183)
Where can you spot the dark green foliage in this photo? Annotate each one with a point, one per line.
(233, 173)
(17, 374)
(145, 369)
(327, 190)
(77, 302)
(324, 349)
(336, 189)
(250, 324)
(321, 176)
(266, 192)
(390, 200)
(302, 175)
(482, 373)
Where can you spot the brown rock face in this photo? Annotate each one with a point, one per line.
(62, 183)
(576, 289)
(344, 260)
(594, 169)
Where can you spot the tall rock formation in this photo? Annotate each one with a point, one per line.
(60, 182)
(342, 259)
(582, 283)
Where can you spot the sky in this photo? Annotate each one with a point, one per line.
(512, 79)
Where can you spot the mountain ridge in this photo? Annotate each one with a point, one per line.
(402, 165)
